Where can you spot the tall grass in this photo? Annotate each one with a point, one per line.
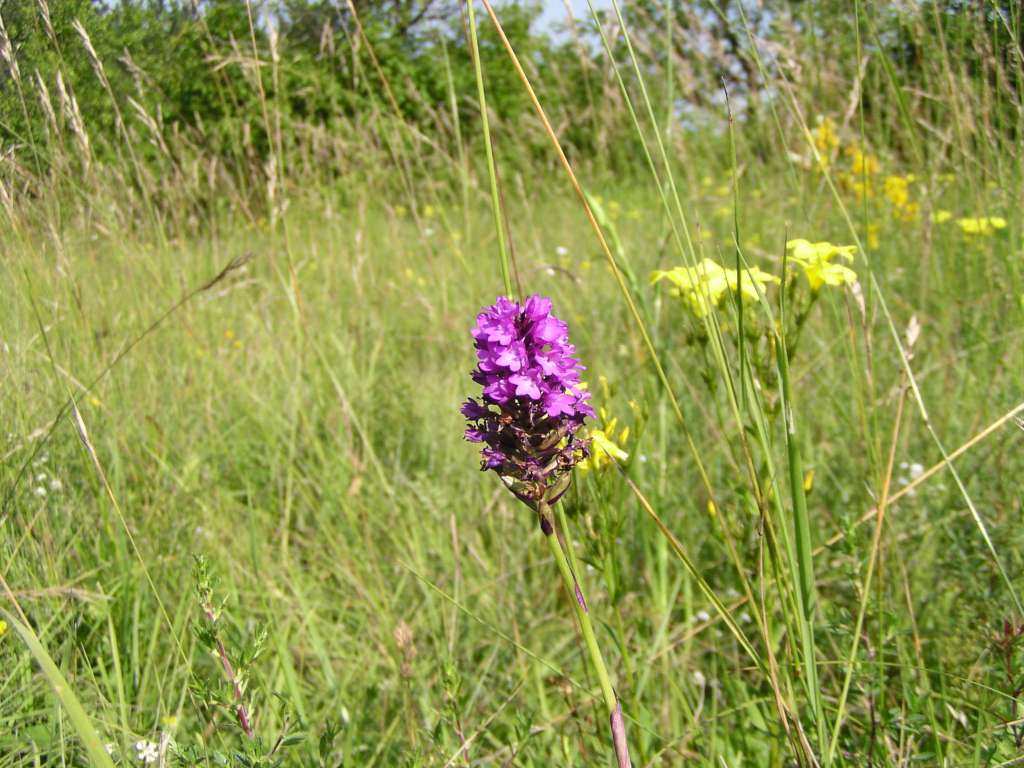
(294, 418)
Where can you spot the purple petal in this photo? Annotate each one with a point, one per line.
(512, 357)
(525, 386)
(493, 458)
(557, 404)
(499, 391)
(471, 409)
(549, 330)
(537, 307)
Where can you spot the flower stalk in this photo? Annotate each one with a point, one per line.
(528, 419)
(572, 584)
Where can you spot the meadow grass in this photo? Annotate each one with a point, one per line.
(784, 571)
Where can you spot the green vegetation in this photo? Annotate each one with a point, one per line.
(243, 246)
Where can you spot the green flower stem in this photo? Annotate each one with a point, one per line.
(583, 614)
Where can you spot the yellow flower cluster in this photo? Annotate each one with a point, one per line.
(897, 192)
(826, 138)
(705, 285)
(981, 226)
(860, 177)
(605, 445)
(816, 261)
(862, 164)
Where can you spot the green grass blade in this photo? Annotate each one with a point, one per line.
(76, 712)
(492, 171)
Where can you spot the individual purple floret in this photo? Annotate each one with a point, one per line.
(532, 404)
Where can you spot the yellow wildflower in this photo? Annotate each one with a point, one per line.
(804, 250)
(981, 226)
(809, 481)
(816, 261)
(605, 446)
(897, 190)
(707, 284)
(863, 164)
(3, 627)
(941, 216)
(863, 187)
(825, 137)
(873, 239)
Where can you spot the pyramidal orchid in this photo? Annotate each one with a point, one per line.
(527, 418)
(532, 405)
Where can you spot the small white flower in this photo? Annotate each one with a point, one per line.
(40, 477)
(643, 458)
(561, 250)
(550, 271)
(40, 491)
(699, 679)
(745, 618)
(56, 485)
(148, 752)
(703, 616)
(428, 232)
(111, 748)
(916, 470)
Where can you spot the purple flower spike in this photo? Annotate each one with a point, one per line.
(532, 405)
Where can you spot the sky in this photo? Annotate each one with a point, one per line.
(554, 11)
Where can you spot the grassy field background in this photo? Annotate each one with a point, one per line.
(294, 424)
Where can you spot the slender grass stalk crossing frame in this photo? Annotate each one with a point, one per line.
(492, 171)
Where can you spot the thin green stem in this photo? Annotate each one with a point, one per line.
(572, 584)
(806, 589)
(492, 171)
